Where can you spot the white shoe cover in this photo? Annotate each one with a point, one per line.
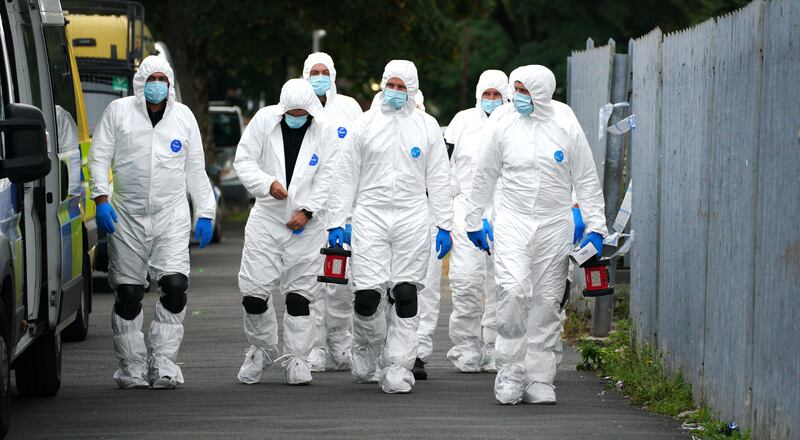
(396, 379)
(340, 349)
(509, 384)
(166, 334)
(540, 393)
(466, 356)
(295, 371)
(369, 335)
(131, 352)
(488, 364)
(317, 359)
(256, 360)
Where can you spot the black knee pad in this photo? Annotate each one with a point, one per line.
(366, 302)
(174, 288)
(405, 297)
(129, 301)
(254, 305)
(297, 305)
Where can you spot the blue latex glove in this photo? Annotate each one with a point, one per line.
(348, 232)
(595, 239)
(443, 243)
(481, 238)
(580, 226)
(487, 229)
(106, 217)
(336, 237)
(203, 231)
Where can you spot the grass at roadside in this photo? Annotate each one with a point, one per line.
(640, 374)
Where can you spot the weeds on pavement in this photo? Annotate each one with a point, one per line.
(641, 375)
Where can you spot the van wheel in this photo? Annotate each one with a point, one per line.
(5, 374)
(78, 330)
(38, 370)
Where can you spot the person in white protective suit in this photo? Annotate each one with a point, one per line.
(285, 159)
(430, 295)
(473, 327)
(539, 156)
(564, 112)
(333, 315)
(153, 147)
(396, 155)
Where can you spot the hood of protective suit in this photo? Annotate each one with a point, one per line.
(149, 66)
(298, 94)
(492, 79)
(407, 72)
(419, 100)
(541, 83)
(327, 61)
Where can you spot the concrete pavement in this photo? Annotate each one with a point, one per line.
(213, 405)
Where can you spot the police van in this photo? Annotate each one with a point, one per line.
(45, 266)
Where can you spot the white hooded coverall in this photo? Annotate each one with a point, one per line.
(152, 167)
(395, 156)
(539, 159)
(471, 270)
(274, 259)
(333, 309)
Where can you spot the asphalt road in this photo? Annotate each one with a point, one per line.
(212, 404)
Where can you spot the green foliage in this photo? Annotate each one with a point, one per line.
(640, 373)
(249, 49)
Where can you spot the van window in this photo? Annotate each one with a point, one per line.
(60, 69)
(30, 54)
(227, 130)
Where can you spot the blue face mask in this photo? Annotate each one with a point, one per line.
(295, 121)
(155, 92)
(488, 105)
(523, 104)
(320, 83)
(394, 98)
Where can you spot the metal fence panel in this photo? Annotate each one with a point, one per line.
(645, 152)
(729, 284)
(590, 84)
(688, 59)
(776, 358)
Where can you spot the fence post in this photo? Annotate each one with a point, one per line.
(615, 148)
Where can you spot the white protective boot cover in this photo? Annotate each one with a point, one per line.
(466, 355)
(340, 348)
(131, 352)
(540, 393)
(339, 322)
(298, 339)
(509, 384)
(318, 355)
(369, 335)
(488, 361)
(261, 331)
(399, 354)
(166, 334)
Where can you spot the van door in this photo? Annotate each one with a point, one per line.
(69, 156)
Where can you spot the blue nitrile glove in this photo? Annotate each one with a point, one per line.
(580, 226)
(348, 233)
(487, 229)
(336, 237)
(203, 231)
(443, 243)
(595, 239)
(106, 217)
(298, 231)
